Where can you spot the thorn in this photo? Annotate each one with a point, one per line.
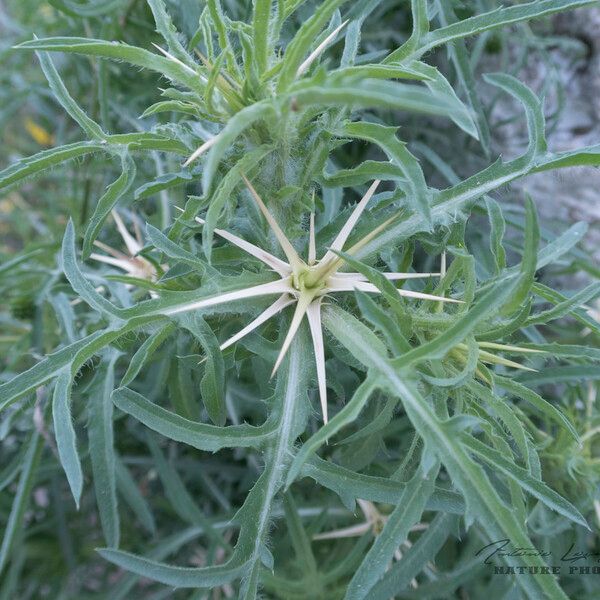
(174, 59)
(201, 150)
(319, 50)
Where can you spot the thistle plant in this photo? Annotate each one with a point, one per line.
(304, 283)
(318, 332)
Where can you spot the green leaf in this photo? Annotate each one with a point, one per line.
(401, 573)
(564, 350)
(529, 262)
(89, 9)
(71, 357)
(91, 128)
(148, 141)
(458, 380)
(440, 345)
(396, 530)
(181, 577)
(64, 433)
(379, 71)
(21, 500)
(448, 203)
(163, 182)
(383, 321)
(373, 93)
(498, 227)
(119, 51)
(145, 352)
(562, 309)
(180, 429)
(420, 27)
(579, 314)
(102, 454)
(347, 415)
(254, 516)
(186, 108)
(261, 19)
(42, 372)
(439, 86)
(161, 242)
(547, 255)
(536, 488)
(78, 282)
(568, 374)
(365, 172)
(131, 494)
(459, 56)
(390, 293)
(499, 17)
(219, 24)
(505, 413)
(114, 192)
(482, 499)
(299, 47)
(225, 192)
(46, 159)
(165, 27)
(385, 137)
(236, 125)
(348, 484)
(212, 384)
(533, 111)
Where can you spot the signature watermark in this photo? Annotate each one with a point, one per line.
(573, 561)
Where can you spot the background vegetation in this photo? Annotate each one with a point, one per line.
(113, 408)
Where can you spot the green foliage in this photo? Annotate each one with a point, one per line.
(461, 401)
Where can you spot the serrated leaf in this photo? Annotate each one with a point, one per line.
(78, 282)
(91, 128)
(114, 192)
(385, 138)
(102, 454)
(529, 261)
(401, 573)
(180, 429)
(119, 51)
(64, 433)
(536, 488)
(26, 167)
(236, 125)
(492, 20)
(161, 242)
(299, 47)
(21, 500)
(130, 493)
(404, 516)
(164, 26)
(482, 498)
(377, 489)
(255, 513)
(145, 352)
(212, 385)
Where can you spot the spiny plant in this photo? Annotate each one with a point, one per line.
(275, 117)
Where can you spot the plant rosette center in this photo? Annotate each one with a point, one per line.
(310, 281)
